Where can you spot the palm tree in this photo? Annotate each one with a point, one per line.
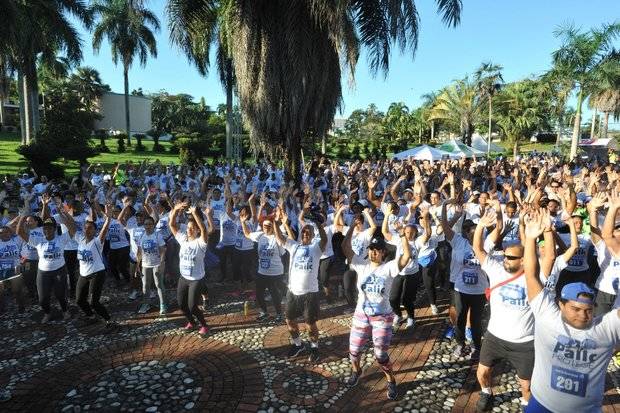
(87, 84)
(460, 105)
(489, 81)
(287, 56)
(129, 28)
(428, 101)
(6, 77)
(581, 55)
(557, 84)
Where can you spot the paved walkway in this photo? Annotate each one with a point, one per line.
(150, 364)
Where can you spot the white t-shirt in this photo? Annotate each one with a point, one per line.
(150, 244)
(374, 285)
(217, 208)
(135, 232)
(269, 253)
(330, 230)
(426, 249)
(10, 252)
(79, 227)
(511, 316)
(51, 253)
(162, 226)
(89, 254)
(241, 242)
(191, 257)
(412, 266)
(28, 251)
(609, 278)
(550, 280)
(360, 242)
(570, 365)
(303, 276)
(228, 229)
(465, 269)
(579, 262)
(116, 235)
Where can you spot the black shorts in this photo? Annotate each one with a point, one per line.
(305, 304)
(520, 355)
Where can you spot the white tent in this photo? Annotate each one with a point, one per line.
(480, 143)
(422, 153)
(458, 149)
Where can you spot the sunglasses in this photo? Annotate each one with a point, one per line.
(512, 257)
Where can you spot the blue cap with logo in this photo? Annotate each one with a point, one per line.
(572, 291)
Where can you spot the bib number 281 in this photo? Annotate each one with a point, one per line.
(569, 381)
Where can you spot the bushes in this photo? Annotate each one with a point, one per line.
(139, 146)
(120, 141)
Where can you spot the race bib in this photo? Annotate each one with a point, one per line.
(575, 262)
(265, 263)
(186, 270)
(470, 278)
(569, 381)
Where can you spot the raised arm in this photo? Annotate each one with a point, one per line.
(323, 235)
(204, 234)
(384, 226)
(172, 222)
(534, 226)
(21, 230)
(607, 232)
(347, 250)
(548, 258)
(280, 239)
(445, 225)
(69, 222)
(574, 242)
(372, 226)
(106, 223)
(243, 218)
(593, 206)
(404, 259)
(486, 221)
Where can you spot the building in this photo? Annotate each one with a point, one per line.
(112, 108)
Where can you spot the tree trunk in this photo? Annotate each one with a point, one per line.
(605, 125)
(292, 161)
(576, 126)
(420, 134)
(593, 127)
(515, 149)
(490, 125)
(559, 133)
(127, 124)
(229, 109)
(33, 85)
(433, 130)
(27, 113)
(22, 107)
(323, 145)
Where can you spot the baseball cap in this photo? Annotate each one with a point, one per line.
(376, 244)
(572, 291)
(49, 221)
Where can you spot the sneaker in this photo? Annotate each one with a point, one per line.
(396, 322)
(144, 308)
(262, 316)
(278, 318)
(468, 335)
(295, 351)
(392, 392)
(313, 357)
(434, 309)
(163, 309)
(189, 326)
(459, 351)
(46, 319)
(485, 402)
(353, 379)
(134, 295)
(475, 355)
(66, 316)
(203, 330)
(410, 323)
(449, 333)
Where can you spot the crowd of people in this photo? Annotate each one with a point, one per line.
(532, 245)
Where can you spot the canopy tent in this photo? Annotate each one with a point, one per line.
(480, 143)
(458, 149)
(422, 153)
(598, 147)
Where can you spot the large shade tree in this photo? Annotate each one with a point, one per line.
(288, 58)
(129, 28)
(581, 55)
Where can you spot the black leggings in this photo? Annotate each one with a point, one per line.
(428, 277)
(119, 263)
(273, 283)
(324, 272)
(29, 272)
(349, 280)
(73, 268)
(444, 256)
(91, 286)
(188, 296)
(474, 303)
(244, 262)
(404, 290)
(52, 280)
(225, 254)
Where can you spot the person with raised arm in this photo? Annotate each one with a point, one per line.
(373, 315)
(573, 348)
(193, 245)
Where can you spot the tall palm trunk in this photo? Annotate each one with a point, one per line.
(127, 124)
(490, 125)
(593, 127)
(229, 109)
(23, 114)
(33, 86)
(433, 130)
(323, 145)
(559, 132)
(576, 125)
(605, 126)
(26, 115)
(293, 160)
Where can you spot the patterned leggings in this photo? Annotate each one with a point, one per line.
(380, 327)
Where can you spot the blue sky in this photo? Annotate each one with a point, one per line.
(515, 34)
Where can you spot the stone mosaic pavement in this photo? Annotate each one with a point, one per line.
(149, 363)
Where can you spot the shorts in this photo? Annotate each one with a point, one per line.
(305, 304)
(520, 355)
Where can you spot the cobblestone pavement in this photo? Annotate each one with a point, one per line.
(149, 363)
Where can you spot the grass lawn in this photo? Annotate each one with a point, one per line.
(11, 162)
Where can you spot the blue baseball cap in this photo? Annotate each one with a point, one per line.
(572, 291)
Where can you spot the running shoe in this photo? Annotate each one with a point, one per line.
(278, 318)
(485, 402)
(262, 316)
(144, 308)
(392, 391)
(203, 330)
(189, 326)
(468, 336)
(313, 357)
(449, 333)
(134, 295)
(475, 355)
(163, 309)
(434, 309)
(46, 319)
(410, 323)
(353, 379)
(295, 350)
(459, 351)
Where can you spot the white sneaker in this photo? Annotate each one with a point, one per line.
(396, 322)
(434, 309)
(410, 323)
(133, 295)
